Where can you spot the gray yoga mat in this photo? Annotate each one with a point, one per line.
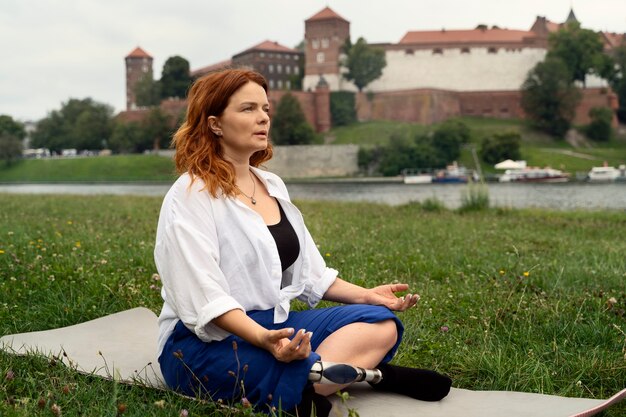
(123, 346)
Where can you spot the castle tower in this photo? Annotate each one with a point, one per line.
(138, 64)
(325, 34)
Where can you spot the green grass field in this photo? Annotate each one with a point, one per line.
(530, 301)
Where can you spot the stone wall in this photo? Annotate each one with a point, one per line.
(304, 161)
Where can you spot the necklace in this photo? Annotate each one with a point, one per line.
(251, 197)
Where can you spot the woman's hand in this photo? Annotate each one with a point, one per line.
(277, 342)
(385, 295)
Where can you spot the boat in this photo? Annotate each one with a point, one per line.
(606, 173)
(534, 174)
(452, 174)
(414, 176)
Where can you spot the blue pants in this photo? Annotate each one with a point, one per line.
(232, 368)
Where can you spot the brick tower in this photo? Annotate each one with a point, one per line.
(325, 34)
(138, 63)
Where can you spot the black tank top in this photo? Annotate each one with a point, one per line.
(286, 240)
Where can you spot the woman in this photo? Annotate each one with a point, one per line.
(233, 251)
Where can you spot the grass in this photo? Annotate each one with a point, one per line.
(527, 300)
(117, 168)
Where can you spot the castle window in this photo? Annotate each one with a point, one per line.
(320, 57)
(315, 43)
(287, 56)
(296, 70)
(296, 57)
(465, 50)
(262, 54)
(437, 51)
(288, 84)
(279, 69)
(287, 69)
(271, 83)
(280, 84)
(271, 68)
(492, 50)
(325, 43)
(408, 52)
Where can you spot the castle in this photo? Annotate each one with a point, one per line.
(430, 75)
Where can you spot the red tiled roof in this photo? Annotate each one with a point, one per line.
(270, 46)
(466, 36)
(552, 26)
(138, 53)
(209, 68)
(612, 40)
(325, 13)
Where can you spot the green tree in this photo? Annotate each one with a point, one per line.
(500, 146)
(365, 63)
(289, 125)
(12, 133)
(549, 97)
(600, 128)
(127, 138)
(10, 148)
(342, 108)
(448, 138)
(148, 91)
(157, 130)
(580, 50)
(175, 78)
(618, 79)
(80, 124)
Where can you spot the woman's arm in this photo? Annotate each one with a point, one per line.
(275, 341)
(344, 292)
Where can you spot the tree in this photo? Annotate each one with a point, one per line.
(147, 91)
(79, 124)
(11, 135)
(579, 49)
(127, 137)
(175, 78)
(600, 128)
(448, 138)
(618, 79)
(342, 108)
(549, 97)
(289, 125)
(157, 130)
(500, 146)
(364, 63)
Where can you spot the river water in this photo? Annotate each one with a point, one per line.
(553, 196)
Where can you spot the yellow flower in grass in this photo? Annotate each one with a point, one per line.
(1, 251)
(526, 274)
(78, 244)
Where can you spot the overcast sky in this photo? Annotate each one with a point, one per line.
(53, 50)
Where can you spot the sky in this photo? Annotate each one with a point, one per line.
(54, 50)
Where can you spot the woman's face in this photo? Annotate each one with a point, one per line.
(245, 123)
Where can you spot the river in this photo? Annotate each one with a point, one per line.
(567, 196)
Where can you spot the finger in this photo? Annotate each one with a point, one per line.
(276, 335)
(399, 287)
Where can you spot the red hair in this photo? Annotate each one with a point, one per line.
(198, 149)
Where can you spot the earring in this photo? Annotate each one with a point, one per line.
(218, 133)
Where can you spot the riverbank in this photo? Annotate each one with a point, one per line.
(524, 300)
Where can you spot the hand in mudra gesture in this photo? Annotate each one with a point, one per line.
(277, 342)
(386, 295)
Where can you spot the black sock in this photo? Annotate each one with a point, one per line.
(311, 400)
(421, 384)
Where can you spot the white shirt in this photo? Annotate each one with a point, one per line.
(216, 254)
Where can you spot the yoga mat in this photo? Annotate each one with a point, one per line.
(123, 346)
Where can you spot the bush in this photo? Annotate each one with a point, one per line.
(342, 108)
(289, 125)
(500, 146)
(448, 139)
(600, 128)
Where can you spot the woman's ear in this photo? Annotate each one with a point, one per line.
(214, 125)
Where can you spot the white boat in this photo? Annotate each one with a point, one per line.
(605, 173)
(534, 174)
(412, 176)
